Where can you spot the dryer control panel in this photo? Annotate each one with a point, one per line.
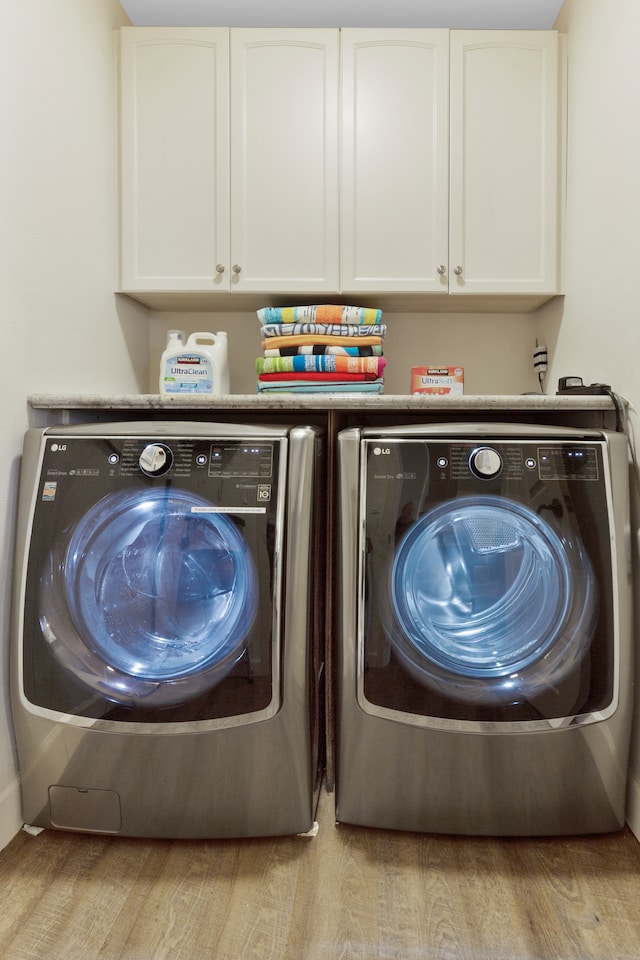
(487, 461)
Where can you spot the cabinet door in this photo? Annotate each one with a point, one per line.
(395, 136)
(505, 162)
(284, 160)
(175, 158)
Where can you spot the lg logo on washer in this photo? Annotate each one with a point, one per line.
(382, 471)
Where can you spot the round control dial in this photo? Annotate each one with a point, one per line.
(155, 460)
(485, 462)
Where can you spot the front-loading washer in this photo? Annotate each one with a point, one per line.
(167, 659)
(485, 640)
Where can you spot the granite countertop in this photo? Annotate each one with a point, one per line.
(383, 402)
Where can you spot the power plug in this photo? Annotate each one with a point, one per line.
(540, 359)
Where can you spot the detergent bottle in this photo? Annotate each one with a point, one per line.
(198, 366)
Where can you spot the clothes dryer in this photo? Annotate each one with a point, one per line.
(166, 656)
(485, 629)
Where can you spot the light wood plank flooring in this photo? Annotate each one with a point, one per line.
(347, 894)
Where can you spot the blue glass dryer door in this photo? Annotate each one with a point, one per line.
(485, 579)
(486, 597)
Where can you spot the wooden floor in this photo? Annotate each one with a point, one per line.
(348, 893)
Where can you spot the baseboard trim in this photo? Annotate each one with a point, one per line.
(10, 812)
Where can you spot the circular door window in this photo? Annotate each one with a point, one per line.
(151, 597)
(489, 601)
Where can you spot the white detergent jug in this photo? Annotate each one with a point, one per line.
(198, 366)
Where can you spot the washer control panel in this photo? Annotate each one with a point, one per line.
(184, 460)
(224, 459)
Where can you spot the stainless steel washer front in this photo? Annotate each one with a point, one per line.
(166, 658)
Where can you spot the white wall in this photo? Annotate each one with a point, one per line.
(595, 332)
(63, 330)
(496, 350)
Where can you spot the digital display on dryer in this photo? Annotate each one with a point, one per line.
(568, 462)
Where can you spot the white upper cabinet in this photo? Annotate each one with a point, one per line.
(395, 160)
(315, 162)
(451, 161)
(174, 158)
(229, 160)
(506, 153)
(284, 152)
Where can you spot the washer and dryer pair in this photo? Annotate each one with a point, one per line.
(168, 650)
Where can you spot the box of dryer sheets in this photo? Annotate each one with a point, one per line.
(438, 380)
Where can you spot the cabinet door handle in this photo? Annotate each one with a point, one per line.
(458, 271)
(442, 269)
(236, 268)
(219, 268)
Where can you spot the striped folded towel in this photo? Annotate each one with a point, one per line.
(319, 313)
(339, 375)
(324, 329)
(319, 349)
(336, 386)
(311, 363)
(272, 343)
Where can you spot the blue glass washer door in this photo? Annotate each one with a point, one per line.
(482, 587)
(158, 585)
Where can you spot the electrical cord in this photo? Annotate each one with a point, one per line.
(620, 404)
(625, 411)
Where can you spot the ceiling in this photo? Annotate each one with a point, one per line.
(470, 14)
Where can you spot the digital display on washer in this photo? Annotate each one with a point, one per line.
(568, 462)
(241, 460)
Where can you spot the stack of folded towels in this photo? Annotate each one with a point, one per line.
(321, 349)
